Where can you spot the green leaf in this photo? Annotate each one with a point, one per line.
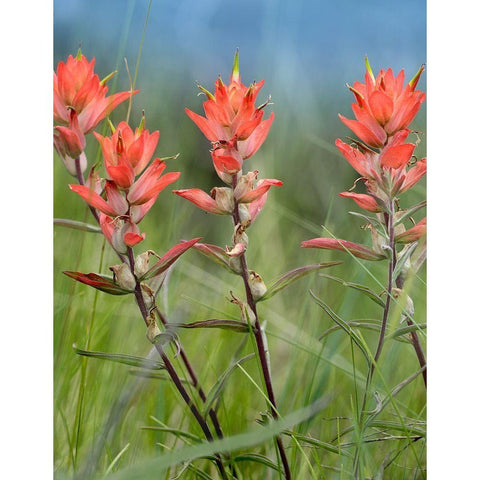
(317, 443)
(289, 277)
(356, 286)
(151, 469)
(373, 221)
(360, 323)
(76, 225)
(219, 385)
(256, 457)
(406, 254)
(155, 376)
(217, 255)
(404, 330)
(233, 325)
(343, 325)
(409, 212)
(175, 431)
(121, 358)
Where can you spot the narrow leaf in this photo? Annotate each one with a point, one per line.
(406, 254)
(317, 443)
(233, 325)
(216, 254)
(219, 385)
(178, 433)
(100, 282)
(76, 225)
(343, 324)
(409, 212)
(356, 286)
(256, 457)
(372, 220)
(289, 277)
(404, 330)
(366, 324)
(168, 259)
(155, 376)
(121, 358)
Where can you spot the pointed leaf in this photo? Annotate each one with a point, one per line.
(155, 376)
(410, 212)
(406, 254)
(216, 254)
(344, 325)
(256, 457)
(168, 259)
(175, 431)
(233, 325)
(217, 388)
(317, 443)
(293, 275)
(122, 358)
(367, 324)
(356, 286)
(86, 227)
(404, 330)
(100, 282)
(372, 220)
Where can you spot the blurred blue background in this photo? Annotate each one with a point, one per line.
(305, 50)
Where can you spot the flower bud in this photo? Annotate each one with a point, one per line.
(123, 276)
(257, 287)
(239, 234)
(148, 296)
(244, 213)
(152, 329)
(223, 197)
(141, 263)
(245, 184)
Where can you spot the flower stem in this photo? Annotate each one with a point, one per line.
(260, 344)
(171, 369)
(415, 339)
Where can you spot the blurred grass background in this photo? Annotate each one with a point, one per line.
(306, 51)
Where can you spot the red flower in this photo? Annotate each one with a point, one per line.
(126, 153)
(77, 87)
(231, 116)
(383, 105)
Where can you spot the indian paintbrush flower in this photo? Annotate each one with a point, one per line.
(76, 87)
(384, 105)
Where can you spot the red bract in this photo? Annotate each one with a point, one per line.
(387, 172)
(127, 153)
(231, 116)
(383, 105)
(77, 87)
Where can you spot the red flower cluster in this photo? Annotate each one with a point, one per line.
(384, 108)
(237, 130)
(80, 102)
(128, 198)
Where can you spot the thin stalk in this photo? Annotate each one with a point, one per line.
(388, 218)
(168, 365)
(171, 369)
(260, 344)
(415, 339)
